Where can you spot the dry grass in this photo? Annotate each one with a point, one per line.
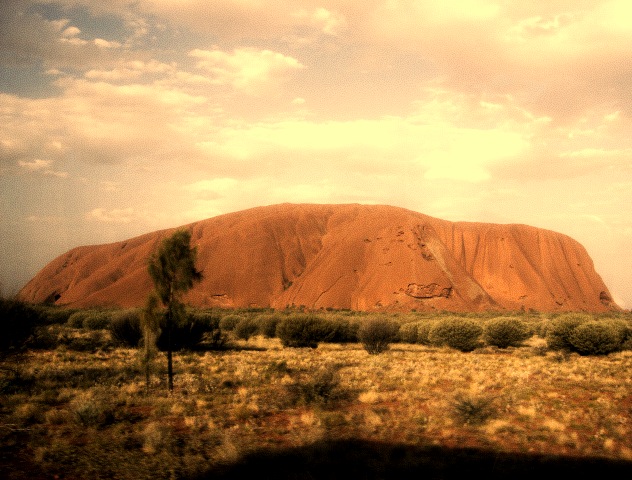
(88, 415)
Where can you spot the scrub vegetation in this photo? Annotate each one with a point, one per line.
(82, 399)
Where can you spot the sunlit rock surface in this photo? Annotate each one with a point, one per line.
(360, 257)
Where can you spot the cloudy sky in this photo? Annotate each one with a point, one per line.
(122, 117)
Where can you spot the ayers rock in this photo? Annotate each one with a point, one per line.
(360, 257)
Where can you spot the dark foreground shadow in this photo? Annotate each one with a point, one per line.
(352, 459)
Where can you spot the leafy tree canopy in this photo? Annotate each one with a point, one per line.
(172, 268)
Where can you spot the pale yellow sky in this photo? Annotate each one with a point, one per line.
(117, 120)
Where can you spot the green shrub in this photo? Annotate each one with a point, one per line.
(229, 322)
(97, 320)
(212, 335)
(560, 329)
(246, 328)
(459, 333)
(182, 337)
(423, 331)
(125, 328)
(408, 332)
(268, 324)
(93, 412)
(416, 332)
(75, 320)
(208, 319)
(596, 338)
(191, 333)
(302, 330)
(45, 337)
(18, 323)
(322, 388)
(341, 330)
(473, 410)
(506, 332)
(278, 368)
(214, 339)
(28, 414)
(540, 327)
(623, 328)
(377, 334)
(55, 315)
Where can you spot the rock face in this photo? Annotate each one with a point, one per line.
(359, 257)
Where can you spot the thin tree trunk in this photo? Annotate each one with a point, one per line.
(170, 369)
(147, 359)
(169, 353)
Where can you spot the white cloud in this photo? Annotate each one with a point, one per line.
(57, 174)
(612, 117)
(27, 38)
(326, 21)
(133, 69)
(211, 197)
(114, 75)
(102, 122)
(438, 140)
(332, 23)
(249, 70)
(116, 215)
(74, 41)
(100, 42)
(614, 15)
(70, 32)
(42, 166)
(35, 165)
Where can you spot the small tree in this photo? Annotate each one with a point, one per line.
(377, 334)
(173, 272)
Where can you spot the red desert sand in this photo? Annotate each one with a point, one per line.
(360, 257)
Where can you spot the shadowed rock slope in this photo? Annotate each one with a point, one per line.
(360, 257)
